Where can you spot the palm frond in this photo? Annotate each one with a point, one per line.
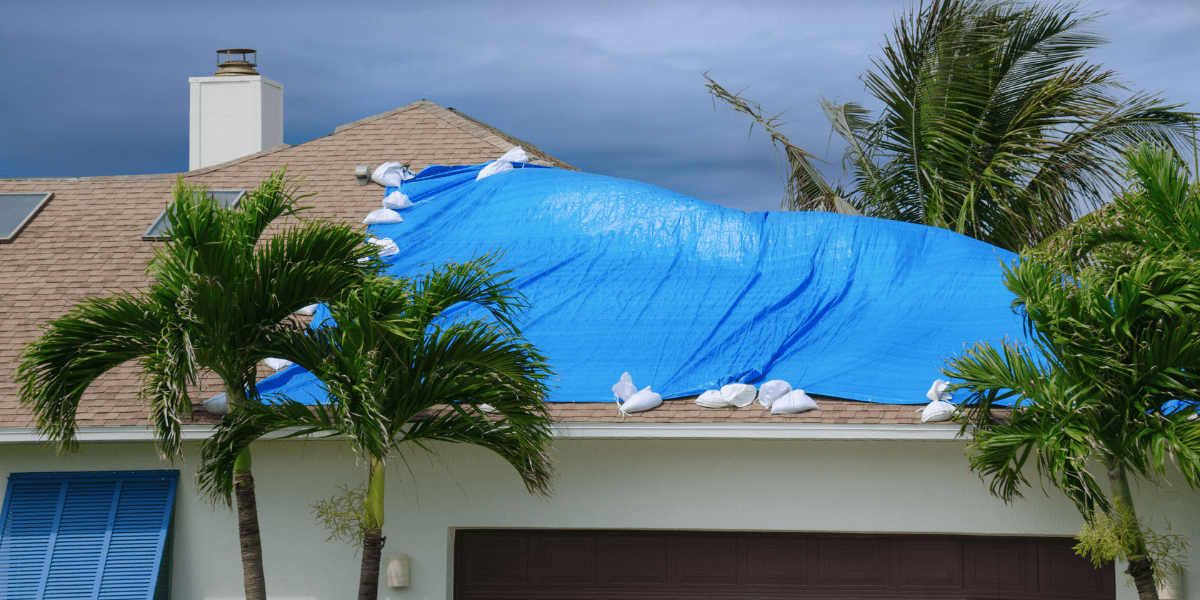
(399, 371)
(992, 124)
(806, 188)
(221, 288)
(95, 337)
(1112, 306)
(238, 429)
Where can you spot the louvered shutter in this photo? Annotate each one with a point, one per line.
(85, 535)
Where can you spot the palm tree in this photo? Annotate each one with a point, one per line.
(992, 124)
(401, 369)
(1113, 309)
(220, 291)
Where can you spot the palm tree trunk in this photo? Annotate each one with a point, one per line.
(1141, 569)
(248, 533)
(373, 540)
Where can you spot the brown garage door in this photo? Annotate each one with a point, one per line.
(623, 565)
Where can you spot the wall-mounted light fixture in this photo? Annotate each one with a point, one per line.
(397, 571)
(362, 175)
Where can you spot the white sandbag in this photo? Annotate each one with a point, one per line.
(712, 399)
(772, 391)
(308, 311)
(382, 215)
(397, 200)
(217, 405)
(937, 411)
(516, 155)
(504, 163)
(386, 246)
(387, 174)
(643, 400)
(277, 364)
(939, 407)
(739, 394)
(624, 388)
(938, 391)
(487, 408)
(795, 401)
(391, 174)
(496, 166)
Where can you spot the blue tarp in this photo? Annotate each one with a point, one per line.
(688, 296)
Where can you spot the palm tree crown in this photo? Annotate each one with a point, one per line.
(992, 124)
(403, 363)
(398, 369)
(1113, 308)
(221, 290)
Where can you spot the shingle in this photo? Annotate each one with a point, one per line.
(87, 241)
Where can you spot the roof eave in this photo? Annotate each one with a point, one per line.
(944, 432)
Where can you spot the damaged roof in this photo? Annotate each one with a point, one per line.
(86, 241)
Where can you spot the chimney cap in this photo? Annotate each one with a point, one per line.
(242, 66)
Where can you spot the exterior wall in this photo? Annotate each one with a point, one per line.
(779, 485)
(232, 116)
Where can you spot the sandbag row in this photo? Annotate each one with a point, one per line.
(777, 396)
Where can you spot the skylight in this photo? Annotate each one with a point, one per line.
(16, 211)
(161, 230)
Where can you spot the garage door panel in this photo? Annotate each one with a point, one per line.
(1000, 566)
(637, 559)
(492, 597)
(928, 564)
(858, 562)
(1062, 573)
(774, 560)
(677, 565)
(705, 559)
(569, 559)
(494, 559)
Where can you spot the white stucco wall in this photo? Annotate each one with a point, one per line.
(777, 485)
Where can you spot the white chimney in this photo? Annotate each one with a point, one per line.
(234, 113)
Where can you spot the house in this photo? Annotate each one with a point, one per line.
(858, 499)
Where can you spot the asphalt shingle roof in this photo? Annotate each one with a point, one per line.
(87, 242)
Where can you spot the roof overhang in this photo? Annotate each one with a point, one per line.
(944, 432)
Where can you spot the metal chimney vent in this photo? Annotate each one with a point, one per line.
(231, 66)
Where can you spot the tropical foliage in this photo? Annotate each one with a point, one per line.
(220, 291)
(992, 124)
(1110, 381)
(406, 365)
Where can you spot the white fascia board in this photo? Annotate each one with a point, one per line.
(134, 433)
(758, 431)
(611, 431)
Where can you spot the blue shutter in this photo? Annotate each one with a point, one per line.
(85, 535)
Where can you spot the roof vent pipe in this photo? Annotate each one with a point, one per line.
(227, 64)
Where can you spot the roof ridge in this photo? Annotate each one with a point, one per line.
(490, 134)
(471, 126)
(153, 176)
(382, 115)
(237, 161)
(38, 178)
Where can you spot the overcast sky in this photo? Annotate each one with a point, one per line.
(100, 88)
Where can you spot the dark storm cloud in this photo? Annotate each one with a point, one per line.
(616, 88)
